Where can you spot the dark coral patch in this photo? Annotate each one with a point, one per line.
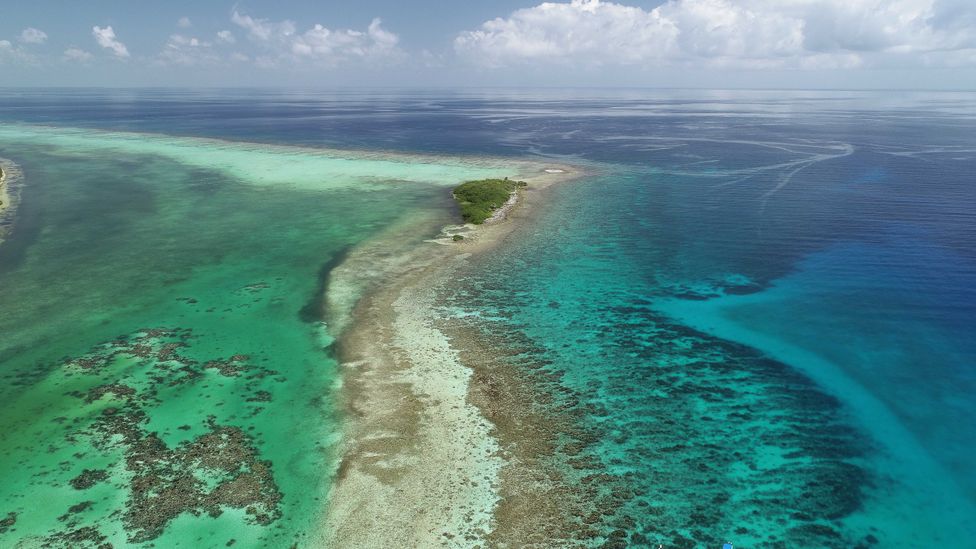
(217, 470)
(88, 536)
(168, 482)
(75, 509)
(685, 437)
(8, 522)
(88, 478)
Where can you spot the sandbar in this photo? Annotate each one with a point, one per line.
(420, 464)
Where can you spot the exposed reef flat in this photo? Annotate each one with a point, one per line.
(420, 466)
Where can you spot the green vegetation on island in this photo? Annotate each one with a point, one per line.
(479, 199)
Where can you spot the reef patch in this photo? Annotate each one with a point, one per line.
(197, 465)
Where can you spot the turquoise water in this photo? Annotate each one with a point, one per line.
(789, 441)
(166, 374)
(768, 341)
(757, 316)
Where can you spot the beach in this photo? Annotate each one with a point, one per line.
(416, 439)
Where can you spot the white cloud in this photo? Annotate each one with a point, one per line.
(187, 51)
(190, 51)
(328, 44)
(15, 54)
(106, 39)
(319, 44)
(180, 40)
(30, 35)
(184, 23)
(77, 54)
(743, 33)
(262, 29)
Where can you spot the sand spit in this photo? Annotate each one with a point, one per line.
(420, 467)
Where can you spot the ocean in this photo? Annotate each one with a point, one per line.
(751, 321)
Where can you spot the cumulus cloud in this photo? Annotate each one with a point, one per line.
(226, 37)
(281, 41)
(262, 29)
(30, 35)
(187, 51)
(77, 54)
(106, 39)
(184, 23)
(15, 54)
(740, 33)
(324, 43)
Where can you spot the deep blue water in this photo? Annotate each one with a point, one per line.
(767, 299)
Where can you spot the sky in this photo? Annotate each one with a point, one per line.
(851, 44)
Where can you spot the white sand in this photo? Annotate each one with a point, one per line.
(419, 466)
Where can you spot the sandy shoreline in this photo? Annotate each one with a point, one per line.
(4, 199)
(10, 175)
(4, 195)
(421, 466)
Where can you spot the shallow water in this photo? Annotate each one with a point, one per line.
(759, 313)
(775, 443)
(162, 331)
(766, 322)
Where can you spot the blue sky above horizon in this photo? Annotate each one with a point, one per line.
(906, 44)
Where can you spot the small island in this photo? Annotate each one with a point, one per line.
(479, 199)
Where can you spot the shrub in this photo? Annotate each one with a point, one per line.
(478, 199)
